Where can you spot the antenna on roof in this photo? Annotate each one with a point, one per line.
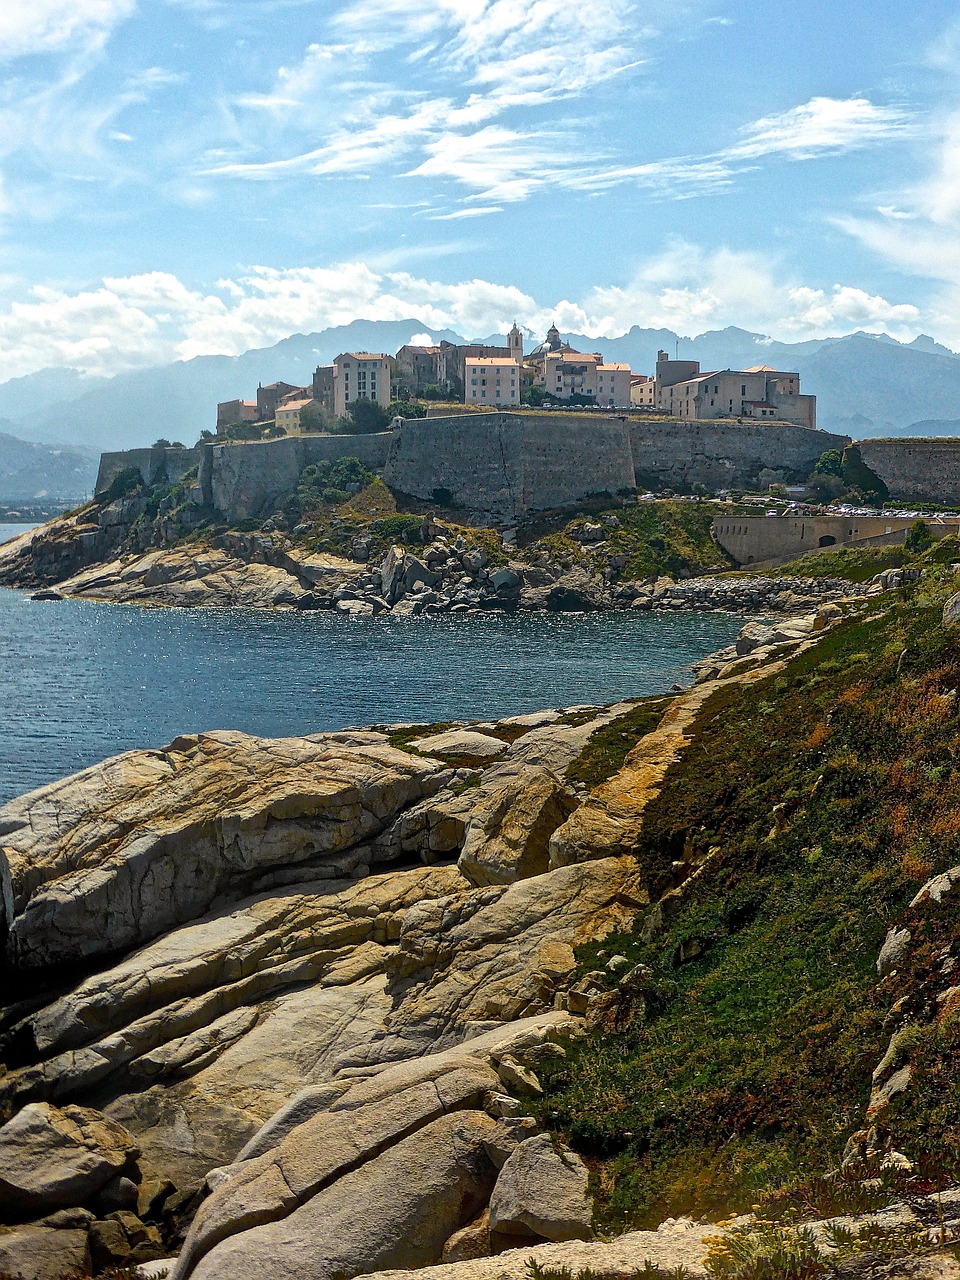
(678, 349)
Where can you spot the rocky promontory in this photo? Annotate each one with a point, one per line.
(439, 570)
(294, 1007)
(295, 992)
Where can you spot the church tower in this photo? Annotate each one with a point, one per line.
(515, 343)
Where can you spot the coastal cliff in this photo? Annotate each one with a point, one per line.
(407, 996)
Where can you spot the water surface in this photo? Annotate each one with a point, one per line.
(80, 681)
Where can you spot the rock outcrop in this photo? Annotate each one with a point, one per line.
(235, 957)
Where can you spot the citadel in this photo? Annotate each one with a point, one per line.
(501, 433)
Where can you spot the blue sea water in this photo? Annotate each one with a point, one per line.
(80, 681)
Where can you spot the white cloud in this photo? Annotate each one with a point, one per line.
(132, 321)
(821, 125)
(45, 26)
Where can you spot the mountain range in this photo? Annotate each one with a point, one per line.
(30, 471)
(866, 384)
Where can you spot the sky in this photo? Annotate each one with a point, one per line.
(183, 177)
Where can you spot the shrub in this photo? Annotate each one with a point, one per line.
(129, 480)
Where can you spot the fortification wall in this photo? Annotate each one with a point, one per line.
(918, 469)
(757, 539)
(506, 464)
(153, 465)
(726, 455)
(247, 480)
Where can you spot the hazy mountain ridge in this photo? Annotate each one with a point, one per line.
(865, 381)
(31, 471)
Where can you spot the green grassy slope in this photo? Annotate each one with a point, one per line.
(818, 801)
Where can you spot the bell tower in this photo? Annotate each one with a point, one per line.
(515, 343)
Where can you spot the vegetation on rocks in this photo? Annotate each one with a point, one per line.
(814, 804)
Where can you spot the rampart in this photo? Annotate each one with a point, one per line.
(158, 465)
(506, 464)
(726, 454)
(250, 479)
(502, 464)
(765, 539)
(916, 469)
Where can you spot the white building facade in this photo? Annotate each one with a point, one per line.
(361, 375)
(491, 380)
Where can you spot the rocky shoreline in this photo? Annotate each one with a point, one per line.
(447, 576)
(319, 976)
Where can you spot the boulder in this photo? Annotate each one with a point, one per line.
(893, 950)
(508, 834)
(471, 1241)
(461, 742)
(397, 1209)
(43, 1253)
(125, 850)
(545, 1190)
(51, 1158)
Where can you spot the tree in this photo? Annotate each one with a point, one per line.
(830, 463)
(162, 443)
(432, 392)
(368, 416)
(824, 487)
(918, 537)
(406, 409)
(313, 418)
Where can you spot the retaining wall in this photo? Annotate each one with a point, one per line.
(757, 539)
(726, 455)
(917, 469)
(156, 466)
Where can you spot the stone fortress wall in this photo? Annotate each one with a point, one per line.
(506, 464)
(916, 469)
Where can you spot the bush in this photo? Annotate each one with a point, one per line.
(367, 416)
(918, 537)
(406, 409)
(325, 483)
(129, 480)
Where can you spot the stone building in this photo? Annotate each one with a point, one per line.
(643, 391)
(417, 369)
(452, 360)
(289, 410)
(231, 411)
(269, 396)
(682, 391)
(323, 387)
(490, 380)
(361, 375)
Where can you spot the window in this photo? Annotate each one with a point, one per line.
(743, 389)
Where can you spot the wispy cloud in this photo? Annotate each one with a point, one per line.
(45, 26)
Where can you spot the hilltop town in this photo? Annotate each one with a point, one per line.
(484, 376)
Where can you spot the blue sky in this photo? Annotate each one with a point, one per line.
(188, 176)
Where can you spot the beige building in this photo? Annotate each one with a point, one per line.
(288, 413)
(491, 380)
(572, 373)
(643, 391)
(361, 375)
(232, 411)
(682, 391)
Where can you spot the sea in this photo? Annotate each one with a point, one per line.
(80, 681)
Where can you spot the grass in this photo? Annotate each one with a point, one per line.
(819, 799)
(607, 749)
(653, 538)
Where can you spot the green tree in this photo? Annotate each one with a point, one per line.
(368, 416)
(407, 409)
(918, 537)
(432, 392)
(830, 463)
(162, 443)
(313, 418)
(824, 487)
